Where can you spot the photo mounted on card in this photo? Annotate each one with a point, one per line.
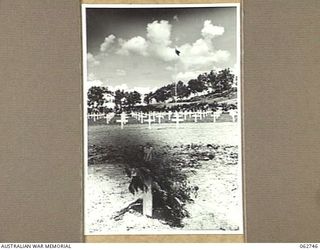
(162, 119)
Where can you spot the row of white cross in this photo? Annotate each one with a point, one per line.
(153, 117)
(96, 117)
(176, 117)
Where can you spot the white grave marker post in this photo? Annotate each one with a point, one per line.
(149, 120)
(142, 116)
(169, 115)
(181, 114)
(138, 116)
(159, 116)
(153, 115)
(177, 119)
(200, 114)
(185, 114)
(123, 119)
(107, 118)
(233, 114)
(216, 115)
(147, 194)
(147, 198)
(196, 116)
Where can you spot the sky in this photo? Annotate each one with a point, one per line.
(134, 48)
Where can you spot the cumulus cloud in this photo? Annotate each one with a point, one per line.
(92, 61)
(210, 31)
(96, 83)
(159, 32)
(144, 90)
(92, 81)
(165, 53)
(157, 42)
(236, 69)
(125, 87)
(186, 76)
(136, 45)
(119, 87)
(121, 72)
(202, 52)
(108, 41)
(199, 55)
(169, 68)
(91, 77)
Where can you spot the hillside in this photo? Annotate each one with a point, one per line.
(230, 98)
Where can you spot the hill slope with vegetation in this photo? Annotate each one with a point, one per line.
(208, 90)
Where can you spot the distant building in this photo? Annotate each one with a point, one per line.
(109, 101)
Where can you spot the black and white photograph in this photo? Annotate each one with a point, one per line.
(162, 119)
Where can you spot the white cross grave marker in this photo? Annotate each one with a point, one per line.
(142, 116)
(153, 115)
(208, 112)
(134, 115)
(138, 116)
(201, 115)
(149, 120)
(216, 115)
(233, 114)
(159, 116)
(123, 119)
(177, 119)
(185, 114)
(196, 115)
(107, 118)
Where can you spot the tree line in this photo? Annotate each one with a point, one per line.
(212, 84)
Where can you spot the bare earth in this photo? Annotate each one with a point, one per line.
(217, 206)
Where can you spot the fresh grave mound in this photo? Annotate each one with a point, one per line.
(169, 169)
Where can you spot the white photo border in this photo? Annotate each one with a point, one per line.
(239, 122)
